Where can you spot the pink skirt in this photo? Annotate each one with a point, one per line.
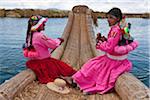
(47, 70)
(99, 74)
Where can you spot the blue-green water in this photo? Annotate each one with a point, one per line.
(13, 32)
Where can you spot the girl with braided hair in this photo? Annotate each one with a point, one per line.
(38, 48)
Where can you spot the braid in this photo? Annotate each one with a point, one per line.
(28, 32)
(31, 38)
(29, 35)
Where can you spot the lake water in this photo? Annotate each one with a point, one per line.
(13, 33)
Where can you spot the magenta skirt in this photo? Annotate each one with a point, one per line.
(99, 74)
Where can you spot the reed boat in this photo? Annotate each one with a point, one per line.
(78, 47)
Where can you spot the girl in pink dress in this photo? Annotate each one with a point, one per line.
(99, 74)
(38, 48)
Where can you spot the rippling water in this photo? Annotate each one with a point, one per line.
(13, 32)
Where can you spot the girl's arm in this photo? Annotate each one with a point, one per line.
(112, 41)
(50, 43)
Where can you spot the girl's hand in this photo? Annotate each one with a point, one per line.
(61, 40)
(98, 44)
(98, 37)
(103, 39)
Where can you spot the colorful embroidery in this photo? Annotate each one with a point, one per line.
(113, 34)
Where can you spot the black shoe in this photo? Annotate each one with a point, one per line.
(74, 85)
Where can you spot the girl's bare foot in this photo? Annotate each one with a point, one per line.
(69, 80)
(87, 93)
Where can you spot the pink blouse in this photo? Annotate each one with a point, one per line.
(111, 45)
(43, 46)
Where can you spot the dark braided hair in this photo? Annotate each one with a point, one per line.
(32, 21)
(29, 34)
